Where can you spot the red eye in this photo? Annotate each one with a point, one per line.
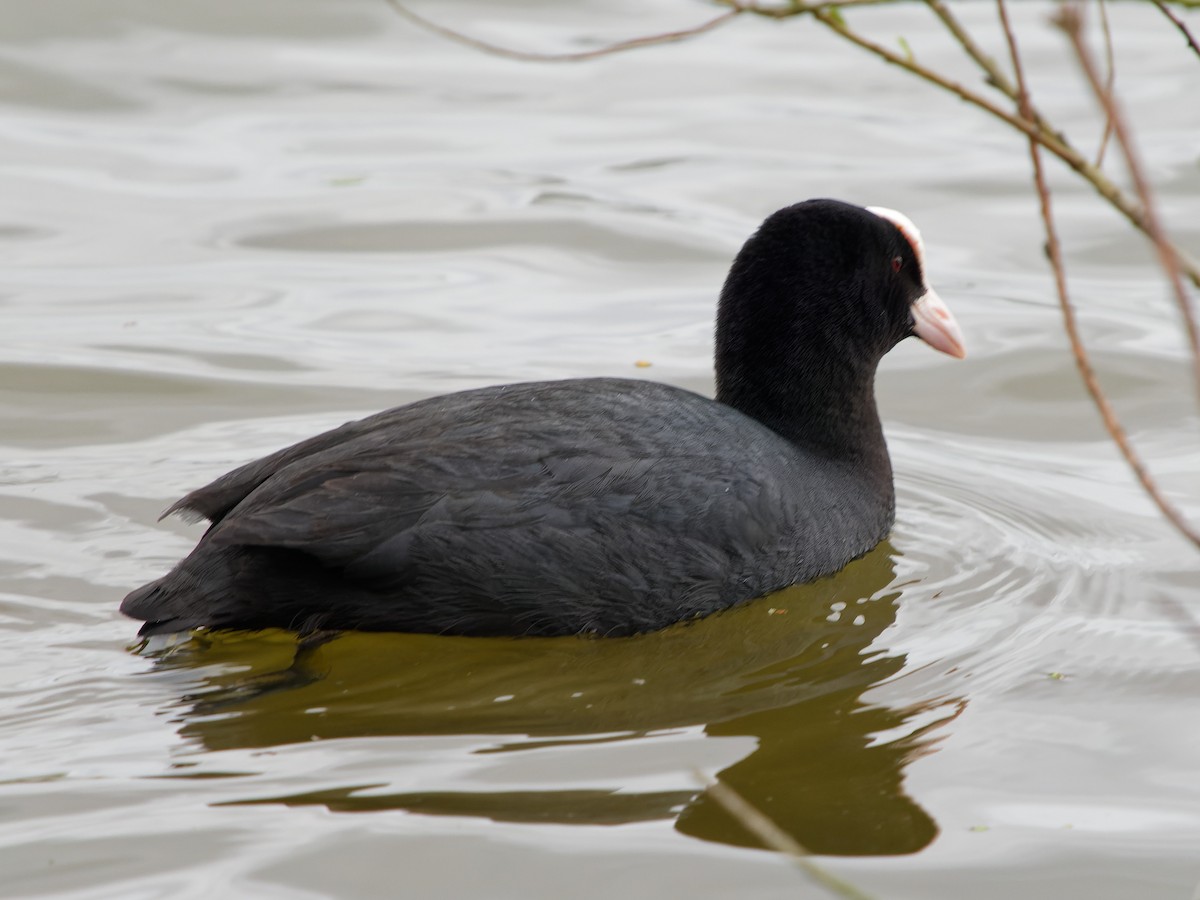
(897, 262)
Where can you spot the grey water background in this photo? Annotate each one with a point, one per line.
(226, 226)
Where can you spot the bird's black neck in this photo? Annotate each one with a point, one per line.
(815, 397)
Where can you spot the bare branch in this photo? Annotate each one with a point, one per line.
(1191, 41)
(1071, 21)
(666, 37)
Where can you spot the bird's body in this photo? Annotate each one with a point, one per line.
(539, 522)
(599, 506)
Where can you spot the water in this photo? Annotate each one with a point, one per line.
(228, 226)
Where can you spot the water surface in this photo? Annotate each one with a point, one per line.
(227, 226)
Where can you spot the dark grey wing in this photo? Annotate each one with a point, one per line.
(361, 513)
(215, 500)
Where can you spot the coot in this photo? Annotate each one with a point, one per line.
(598, 506)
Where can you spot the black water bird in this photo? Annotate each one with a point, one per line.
(590, 506)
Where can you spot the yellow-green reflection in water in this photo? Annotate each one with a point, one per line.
(788, 671)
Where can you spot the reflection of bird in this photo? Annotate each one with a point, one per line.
(788, 675)
(590, 506)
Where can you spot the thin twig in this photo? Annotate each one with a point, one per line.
(762, 827)
(1179, 23)
(1109, 81)
(1049, 139)
(650, 40)
(1071, 21)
